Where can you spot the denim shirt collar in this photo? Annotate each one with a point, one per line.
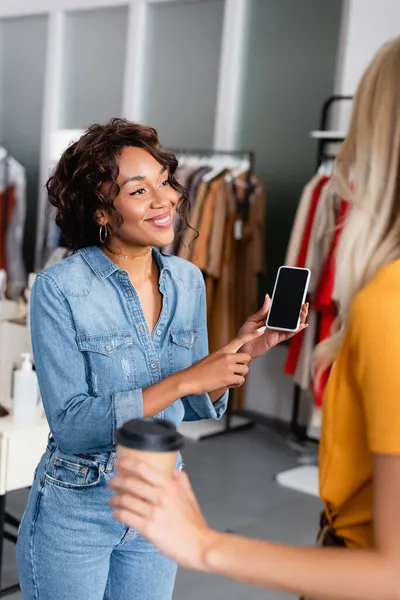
(103, 267)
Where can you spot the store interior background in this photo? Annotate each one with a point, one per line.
(222, 74)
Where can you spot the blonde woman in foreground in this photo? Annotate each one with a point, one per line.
(360, 446)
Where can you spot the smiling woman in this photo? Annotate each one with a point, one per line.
(99, 175)
(119, 331)
(146, 203)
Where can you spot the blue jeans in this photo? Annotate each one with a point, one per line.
(69, 545)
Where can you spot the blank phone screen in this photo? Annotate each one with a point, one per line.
(288, 298)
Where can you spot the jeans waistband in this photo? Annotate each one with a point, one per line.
(105, 459)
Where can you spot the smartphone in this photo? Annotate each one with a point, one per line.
(289, 295)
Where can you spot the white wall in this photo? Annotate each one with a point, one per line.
(366, 26)
(93, 66)
(269, 391)
(182, 71)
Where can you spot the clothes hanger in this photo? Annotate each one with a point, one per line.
(219, 165)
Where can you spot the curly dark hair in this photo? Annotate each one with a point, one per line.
(77, 186)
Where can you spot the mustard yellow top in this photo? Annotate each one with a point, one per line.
(362, 407)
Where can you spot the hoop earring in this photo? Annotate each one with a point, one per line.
(103, 233)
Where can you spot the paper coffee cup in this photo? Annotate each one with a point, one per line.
(153, 441)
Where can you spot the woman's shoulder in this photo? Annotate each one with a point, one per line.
(183, 270)
(70, 269)
(379, 301)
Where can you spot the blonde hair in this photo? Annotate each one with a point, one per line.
(367, 174)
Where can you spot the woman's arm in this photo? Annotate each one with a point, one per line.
(167, 513)
(324, 573)
(84, 423)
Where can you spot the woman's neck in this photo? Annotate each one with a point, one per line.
(140, 264)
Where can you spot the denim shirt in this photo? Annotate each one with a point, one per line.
(94, 353)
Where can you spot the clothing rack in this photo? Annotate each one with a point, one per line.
(231, 421)
(305, 478)
(325, 136)
(239, 154)
(211, 153)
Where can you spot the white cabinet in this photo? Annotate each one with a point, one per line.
(20, 451)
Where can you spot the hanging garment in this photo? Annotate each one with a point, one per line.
(12, 222)
(194, 183)
(217, 242)
(221, 313)
(296, 343)
(7, 205)
(300, 221)
(255, 264)
(217, 231)
(201, 243)
(322, 233)
(16, 270)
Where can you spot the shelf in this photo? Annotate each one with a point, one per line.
(334, 136)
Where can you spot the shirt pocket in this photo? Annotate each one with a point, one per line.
(73, 472)
(109, 361)
(181, 347)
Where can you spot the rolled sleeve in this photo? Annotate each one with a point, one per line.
(198, 408)
(127, 406)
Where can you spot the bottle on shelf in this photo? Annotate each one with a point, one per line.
(26, 400)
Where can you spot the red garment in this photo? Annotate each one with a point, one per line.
(323, 301)
(296, 343)
(7, 206)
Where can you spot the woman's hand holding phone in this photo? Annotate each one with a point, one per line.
(260, 345)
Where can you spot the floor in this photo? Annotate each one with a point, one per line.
(233, 476)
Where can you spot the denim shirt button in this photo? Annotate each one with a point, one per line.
(108, 347)
(158, 332)
(153, 366)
